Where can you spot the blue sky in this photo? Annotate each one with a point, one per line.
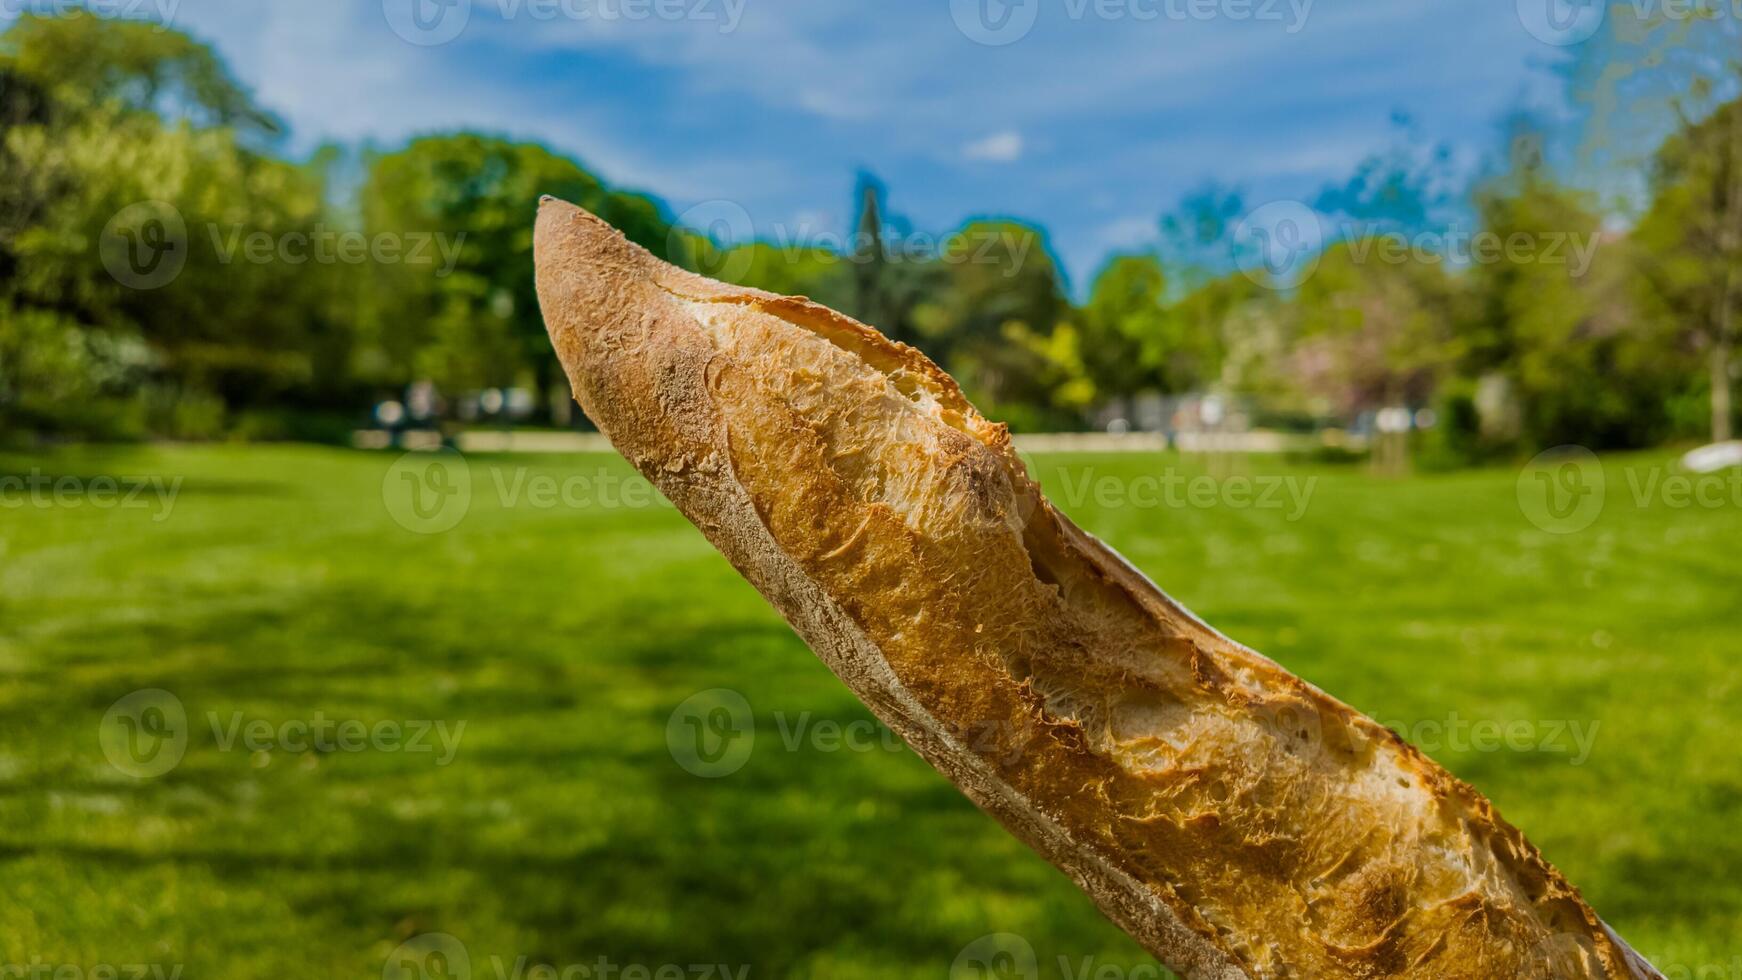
(1091, 122)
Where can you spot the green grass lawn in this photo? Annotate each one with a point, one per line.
(279, 586)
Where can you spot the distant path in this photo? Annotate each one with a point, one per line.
(544, 441)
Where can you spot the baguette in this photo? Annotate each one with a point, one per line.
(1235, 820)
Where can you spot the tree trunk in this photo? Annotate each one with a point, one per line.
(1720, 368)
(1728, 237)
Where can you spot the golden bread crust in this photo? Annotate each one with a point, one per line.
(1234, 819)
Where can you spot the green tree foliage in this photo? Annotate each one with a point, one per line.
(1236, 340)
(1123, 325)
(82, 62)
(1372, 333)
(1583, 367)
(998, 294)
(469, 319)
(161, 123)
(1690, 249)
(124, 146)
(790, 270)
(1136, 341)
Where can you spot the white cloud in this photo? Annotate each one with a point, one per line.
(1130, 232)
(332, 70)
(1004, 147)
(1095, 125)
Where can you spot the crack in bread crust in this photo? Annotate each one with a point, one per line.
(1234, 819)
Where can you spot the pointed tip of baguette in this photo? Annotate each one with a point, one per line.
(554, 213)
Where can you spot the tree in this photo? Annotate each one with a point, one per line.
(1690, 242)
(106, 116)
(1136, 341)
(1373, 334)
(1234, 336)
(1561, 332)
(1124, 326)
(1197, 236)
(890, 280)
(81, 61)
(1407, 189)
(996, 281)
(476, 324)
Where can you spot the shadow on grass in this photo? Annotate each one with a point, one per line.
(17, 484)
(564, 823)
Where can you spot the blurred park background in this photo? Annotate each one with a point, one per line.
(1319, 421)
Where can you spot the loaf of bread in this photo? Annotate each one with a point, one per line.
(1235, 820)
